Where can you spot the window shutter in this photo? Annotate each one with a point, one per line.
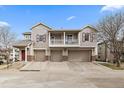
(91, 37)
(94, 37)
(37, 38)
(83, 37)
(44, 38)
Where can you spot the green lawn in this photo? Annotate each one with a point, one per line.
(112, 66)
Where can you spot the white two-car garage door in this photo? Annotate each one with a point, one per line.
(79, 55)
(39, 55)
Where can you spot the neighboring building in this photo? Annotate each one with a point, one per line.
(44, 43)
(104, 53)
(3, 54)
(16, 54)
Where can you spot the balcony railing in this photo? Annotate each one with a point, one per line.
(61, 42)
(56, 42)
(71, 42)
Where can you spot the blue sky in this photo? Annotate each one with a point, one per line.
(22, 18)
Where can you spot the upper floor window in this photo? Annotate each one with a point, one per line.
(87, 36)
(27, 37)
(41, 38)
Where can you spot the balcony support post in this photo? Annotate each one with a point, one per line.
(26, 54)
(79, 38)
(49, 39)
(64, 38)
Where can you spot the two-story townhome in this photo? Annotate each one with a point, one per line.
(56, 45)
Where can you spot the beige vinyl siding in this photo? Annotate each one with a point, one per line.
(40, 30)
(92, 42)
(79, 55)
(39, 55)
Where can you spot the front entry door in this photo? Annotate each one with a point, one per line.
(23, 55)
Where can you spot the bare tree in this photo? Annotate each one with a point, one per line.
(7, 38)
(111, 32)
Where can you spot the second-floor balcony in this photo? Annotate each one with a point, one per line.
(63, 39)
(62, 43)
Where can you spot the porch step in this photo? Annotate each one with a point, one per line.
(31, 66)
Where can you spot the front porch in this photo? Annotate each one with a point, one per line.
(22, 54)
(25, 51)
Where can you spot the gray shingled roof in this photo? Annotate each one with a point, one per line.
(65, 30)
(22, 43)
(74, 29)
(27, 33)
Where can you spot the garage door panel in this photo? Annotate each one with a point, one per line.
(56, 55)
(79, 56)
(39, 55)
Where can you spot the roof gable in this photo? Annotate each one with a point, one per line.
(91, 27)
(42, 25)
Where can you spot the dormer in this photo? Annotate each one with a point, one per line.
(27, 35)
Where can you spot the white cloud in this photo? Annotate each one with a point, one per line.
(70, 18)
(3, 23)
(111, 7)
(4, 26)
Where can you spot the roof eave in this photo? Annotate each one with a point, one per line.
(64, 30)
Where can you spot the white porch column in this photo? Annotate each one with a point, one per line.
(79, 38)
(20, 58)
(64, 38)
(49, 38)
(25, 54)
(31, 50)
(94, 55)
(93, 52)
(13, 54)
(96, 50)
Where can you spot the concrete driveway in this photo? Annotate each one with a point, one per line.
(67, 66)
(62, 75)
